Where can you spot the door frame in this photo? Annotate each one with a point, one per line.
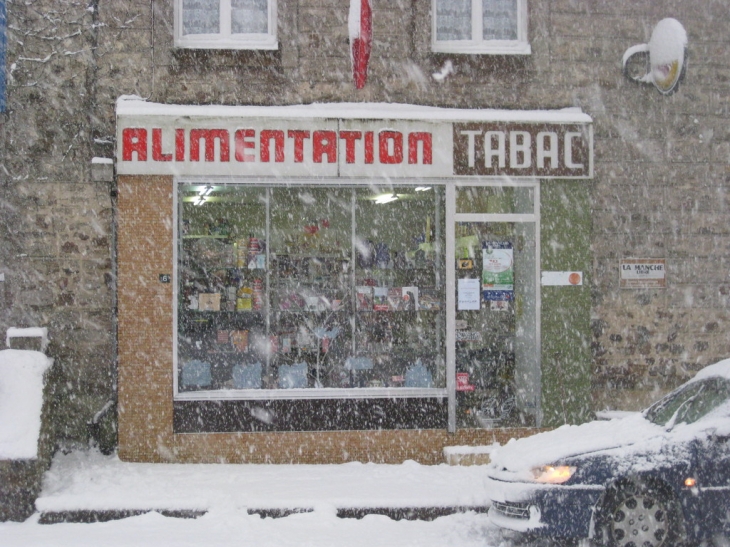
(452, 217)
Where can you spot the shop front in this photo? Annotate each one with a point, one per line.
(337, 282)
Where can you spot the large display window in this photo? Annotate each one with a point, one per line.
(309, 290)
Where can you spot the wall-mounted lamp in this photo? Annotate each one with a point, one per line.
(666, 57)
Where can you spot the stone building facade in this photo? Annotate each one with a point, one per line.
(659, 188)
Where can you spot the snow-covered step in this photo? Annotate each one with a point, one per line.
(468, 455)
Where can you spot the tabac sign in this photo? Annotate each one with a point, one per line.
(346, 140)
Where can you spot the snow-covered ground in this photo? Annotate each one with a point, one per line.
(226, 495)
(88, 480)
(234, 527)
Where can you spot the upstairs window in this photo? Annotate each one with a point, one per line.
(497, 27)
(225, 24)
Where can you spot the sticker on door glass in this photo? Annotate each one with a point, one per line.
(498, 274)
(468, 294)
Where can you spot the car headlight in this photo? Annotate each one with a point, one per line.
(553, 474)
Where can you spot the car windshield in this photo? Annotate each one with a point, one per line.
(689, 403)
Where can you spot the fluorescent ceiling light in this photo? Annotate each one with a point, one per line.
(386, 198)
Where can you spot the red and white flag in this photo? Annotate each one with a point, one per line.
(360, 26)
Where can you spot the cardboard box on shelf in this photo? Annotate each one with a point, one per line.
(209, 301)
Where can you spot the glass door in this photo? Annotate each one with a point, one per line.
(493, 327)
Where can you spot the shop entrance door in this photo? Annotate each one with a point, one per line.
(493, 349)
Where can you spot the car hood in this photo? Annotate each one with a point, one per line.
(519, 456)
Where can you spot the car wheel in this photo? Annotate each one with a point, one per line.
(641, 514)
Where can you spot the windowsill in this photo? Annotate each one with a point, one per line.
(266, 44)
(516, 48)
(332, 393)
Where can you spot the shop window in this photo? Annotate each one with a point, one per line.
(225, 24)
(480, 26)
(290, 291)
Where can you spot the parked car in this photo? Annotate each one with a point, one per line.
(659, 478)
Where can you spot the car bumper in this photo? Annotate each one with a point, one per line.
(560, 511)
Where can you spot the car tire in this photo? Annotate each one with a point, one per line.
(638, 513)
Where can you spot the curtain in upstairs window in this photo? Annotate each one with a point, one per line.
(453, 20)
(249, 16)
(499, 19)
(201, 17)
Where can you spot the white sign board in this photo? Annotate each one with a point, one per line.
(350, 140)
(643, 273)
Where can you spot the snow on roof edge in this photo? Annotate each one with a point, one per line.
(132, 105)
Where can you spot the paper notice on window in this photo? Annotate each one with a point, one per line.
(468, 294)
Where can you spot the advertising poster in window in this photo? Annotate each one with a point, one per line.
(498, 274)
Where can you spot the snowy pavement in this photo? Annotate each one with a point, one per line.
(230, 496)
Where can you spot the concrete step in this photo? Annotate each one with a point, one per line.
(468, 455)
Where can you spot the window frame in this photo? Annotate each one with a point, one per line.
(224, 39)
(521, 46)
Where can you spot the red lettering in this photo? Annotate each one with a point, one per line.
(325, 145)
(298, 137)
(350, 137)
(241, 144)
(278, 137)
(425, 140)
(157, 154)
(179, 145)
(209, 136)
(369, 147)
(384, 140)
(325, 142)
(134, 139)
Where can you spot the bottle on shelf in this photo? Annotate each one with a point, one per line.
(258, 294)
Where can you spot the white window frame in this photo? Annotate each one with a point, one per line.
(477, 45)
(224, 39)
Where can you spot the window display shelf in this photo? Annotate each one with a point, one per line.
(305, 335)
(205, 236)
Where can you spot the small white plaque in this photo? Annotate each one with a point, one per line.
(554, 279)
(643, 273)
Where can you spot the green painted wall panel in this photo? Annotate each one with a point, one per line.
(566, 359)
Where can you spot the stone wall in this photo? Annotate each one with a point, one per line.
(659, 189)
(56, 231)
